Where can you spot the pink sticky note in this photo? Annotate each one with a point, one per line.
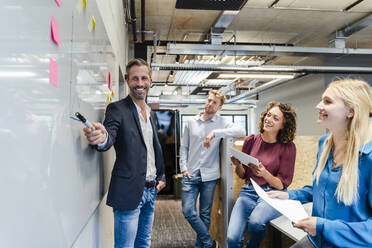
(53, 72)
(109, 81)
(54, 31)
(58, 3)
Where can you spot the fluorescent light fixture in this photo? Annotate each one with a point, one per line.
(16, 74)
(237, 75)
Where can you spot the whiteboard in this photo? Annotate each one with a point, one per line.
(51, 181)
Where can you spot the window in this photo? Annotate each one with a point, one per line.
(240, 120)
(184, 120)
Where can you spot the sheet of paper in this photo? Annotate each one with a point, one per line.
(53, 72)
(54, 31)
(243, 157)
(291, 209)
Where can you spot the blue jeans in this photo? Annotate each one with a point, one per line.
(133, 227)
(191, 188)
(249, 210)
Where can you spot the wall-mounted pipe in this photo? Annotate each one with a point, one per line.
(143, 19)
(133, 15)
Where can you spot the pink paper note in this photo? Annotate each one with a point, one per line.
(54, 31)
(58, 3)
(109, 81)
(53, 72)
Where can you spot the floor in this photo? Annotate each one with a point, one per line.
(170, 229)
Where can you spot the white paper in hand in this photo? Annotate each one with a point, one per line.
(291, 209)
(243, 157)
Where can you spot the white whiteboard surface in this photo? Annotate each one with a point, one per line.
(51, 180)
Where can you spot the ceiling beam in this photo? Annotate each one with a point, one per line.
(263, 68)
(252, 50)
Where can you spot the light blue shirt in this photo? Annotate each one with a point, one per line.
(194, 156)
(339, 225)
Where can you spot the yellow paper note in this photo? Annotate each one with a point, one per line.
(92, 24)
(81, 5)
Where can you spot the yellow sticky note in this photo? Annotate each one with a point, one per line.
(81, 5)
(109, 97)
(92, 24)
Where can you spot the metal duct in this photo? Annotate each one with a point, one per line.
(251, 50)
(263, 68)
(223, 22)
(357, 26)
(210, 4)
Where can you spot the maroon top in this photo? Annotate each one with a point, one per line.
(278, 159)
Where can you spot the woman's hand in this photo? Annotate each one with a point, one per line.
(239, 169)
(235, 161)
(258, 171)
(308, 225)
(278, 194)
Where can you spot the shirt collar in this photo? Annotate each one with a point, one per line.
(198, 117)
(367, 148)
(148, 109)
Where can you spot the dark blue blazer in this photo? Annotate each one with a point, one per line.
(129, 172)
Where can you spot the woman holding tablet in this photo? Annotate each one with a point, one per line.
(276, 153)
(342, 180)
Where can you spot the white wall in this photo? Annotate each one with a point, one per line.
(303, 94)
(99, 231)
(112, 13)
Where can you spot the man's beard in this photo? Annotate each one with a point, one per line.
(137, 96)
(209, 112)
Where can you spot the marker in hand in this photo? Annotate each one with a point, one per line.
(84, 120)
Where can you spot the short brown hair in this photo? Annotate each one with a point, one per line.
(218, 94)
(287, 133)
(137, 62)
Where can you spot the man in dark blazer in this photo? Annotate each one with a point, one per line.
(138, 172)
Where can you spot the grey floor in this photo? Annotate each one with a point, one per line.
(170, 229)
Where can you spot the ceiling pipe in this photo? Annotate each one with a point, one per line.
(262, 50)
(304, 9)
(263, 68)
(190, 101)
(188, 84)
(257, 90)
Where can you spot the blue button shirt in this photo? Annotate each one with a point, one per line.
(194, 156)
(339, 225)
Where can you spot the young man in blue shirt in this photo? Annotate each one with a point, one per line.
(200, 165)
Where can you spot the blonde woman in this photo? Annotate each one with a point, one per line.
(342, 188)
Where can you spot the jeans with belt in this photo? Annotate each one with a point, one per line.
(191, 188)
(252, 212)
(132, 228)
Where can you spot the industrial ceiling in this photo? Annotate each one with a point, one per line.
(242, 46)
